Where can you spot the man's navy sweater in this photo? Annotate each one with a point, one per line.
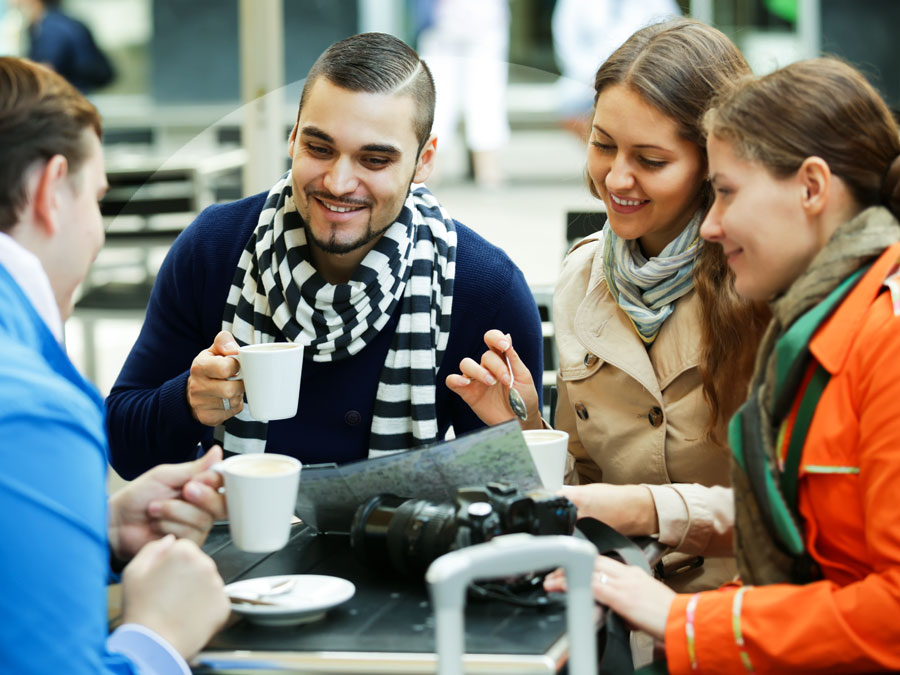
(148, 417)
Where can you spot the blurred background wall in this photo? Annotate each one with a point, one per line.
(177, 123)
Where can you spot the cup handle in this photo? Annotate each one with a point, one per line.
(236, 376)
(219, 468)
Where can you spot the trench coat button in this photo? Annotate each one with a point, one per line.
(352, 418)
(581, 411)
(589, 360)
(655, 416)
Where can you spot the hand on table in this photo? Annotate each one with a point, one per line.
(629, 509)
(174, 589)
(485, 386)
(208, 382)
(179, 499)
(628, 591)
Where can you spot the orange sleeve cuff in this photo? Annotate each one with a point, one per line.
(706, 643)
(677, 657)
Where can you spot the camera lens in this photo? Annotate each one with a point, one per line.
(368, 532)
(420, 533)
(407, 534)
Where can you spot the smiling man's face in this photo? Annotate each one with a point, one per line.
(354, 157)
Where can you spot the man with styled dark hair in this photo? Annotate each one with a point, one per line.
(378, 63)
(58, 530)
(348, 254)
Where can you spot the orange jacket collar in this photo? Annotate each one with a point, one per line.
(831, 344)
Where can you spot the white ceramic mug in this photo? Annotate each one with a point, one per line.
(271, 374)
(261, 492)
(548, 452)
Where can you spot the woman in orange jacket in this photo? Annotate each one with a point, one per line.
(805, 163)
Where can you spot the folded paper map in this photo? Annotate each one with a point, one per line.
(329, 494)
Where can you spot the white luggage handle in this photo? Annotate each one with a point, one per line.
(506, 555)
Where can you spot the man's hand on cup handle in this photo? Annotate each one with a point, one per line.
(180, 499)
(208, 386)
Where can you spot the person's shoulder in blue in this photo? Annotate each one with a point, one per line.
(67, 45)
(59, 531)
(349, 254)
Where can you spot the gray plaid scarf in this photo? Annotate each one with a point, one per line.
(646, 290)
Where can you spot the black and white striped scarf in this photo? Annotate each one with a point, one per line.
(277, 289)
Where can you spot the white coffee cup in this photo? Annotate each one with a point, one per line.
(261, 492)
(271, 374)
(548, 452)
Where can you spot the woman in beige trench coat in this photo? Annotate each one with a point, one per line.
(645, 315)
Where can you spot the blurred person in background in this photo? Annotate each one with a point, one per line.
(65, 44)
(59, 532)
(466, 45)
(585, 33)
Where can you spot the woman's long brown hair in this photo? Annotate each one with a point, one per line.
(731, 329)
(679, 67)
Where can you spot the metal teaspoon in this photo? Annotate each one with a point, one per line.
(515, 398)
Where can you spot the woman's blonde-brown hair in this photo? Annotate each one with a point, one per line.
(679, 67)
(815, 108)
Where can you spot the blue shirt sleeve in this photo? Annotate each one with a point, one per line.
(147, 650)
(55, 554)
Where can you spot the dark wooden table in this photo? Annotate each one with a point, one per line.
(387, 627)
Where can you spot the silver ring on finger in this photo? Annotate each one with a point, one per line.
(226, 404)
(603, 579)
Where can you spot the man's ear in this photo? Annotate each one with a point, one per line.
(425, 163)
(814, 175)
(46, 202)
(291, 139)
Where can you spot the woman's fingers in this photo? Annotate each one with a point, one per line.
(478, 371)
(555, 582)
(633, 594)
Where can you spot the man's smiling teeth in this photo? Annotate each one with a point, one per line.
(339, 209)
(626, 202)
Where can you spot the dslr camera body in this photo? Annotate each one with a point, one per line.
(409, 534)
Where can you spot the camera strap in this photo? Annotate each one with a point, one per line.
(616, 651)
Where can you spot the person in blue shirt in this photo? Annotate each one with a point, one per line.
(349, 254)
(65, 44)
(58, 532)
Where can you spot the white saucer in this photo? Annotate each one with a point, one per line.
(309, 599)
